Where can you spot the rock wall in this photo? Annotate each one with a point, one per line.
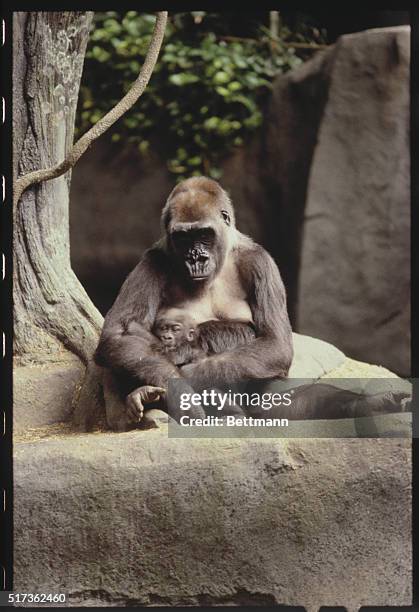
(354, 282)
(324, 186)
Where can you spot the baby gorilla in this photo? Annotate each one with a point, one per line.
(177, 332)
(180, 341)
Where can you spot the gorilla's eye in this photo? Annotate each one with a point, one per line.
(225, 215)
(180, 238)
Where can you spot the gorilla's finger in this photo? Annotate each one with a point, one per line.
(135, 407)
(135, 416)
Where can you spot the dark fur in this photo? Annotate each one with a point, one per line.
(135, 360)
(216, 337)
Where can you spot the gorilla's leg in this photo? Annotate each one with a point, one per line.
(178, 392)
(324, 401)
(117, 417)
(221, 409)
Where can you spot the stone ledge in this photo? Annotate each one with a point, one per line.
(139, 519)
(42, 394)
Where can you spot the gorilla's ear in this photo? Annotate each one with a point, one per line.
(191, 334)
(165, 217)
(226, 217)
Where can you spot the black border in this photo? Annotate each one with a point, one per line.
(6, 521)
(414, 149)
(6, 219)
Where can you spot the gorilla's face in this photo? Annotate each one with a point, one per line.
(173, 327)
(198, 249)
(198, 219)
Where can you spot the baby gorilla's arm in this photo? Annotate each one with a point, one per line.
(142, 395)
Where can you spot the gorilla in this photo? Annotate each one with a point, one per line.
(215, 274)
(224, 282)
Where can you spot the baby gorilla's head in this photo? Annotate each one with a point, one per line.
(174, 327)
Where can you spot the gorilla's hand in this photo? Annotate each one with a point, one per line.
(135, 408)
(142, 395)
(151, 394)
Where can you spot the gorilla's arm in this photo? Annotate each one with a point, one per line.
(270, 354)
(132, 355)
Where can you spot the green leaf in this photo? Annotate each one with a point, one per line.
(234, 86)
(183, 78)
(195, 161)
(223, 91)
(221, 77)
(212, 123)
(100, 54)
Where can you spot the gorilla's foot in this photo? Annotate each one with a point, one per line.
(383, 403)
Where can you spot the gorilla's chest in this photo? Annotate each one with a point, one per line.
(225, 298)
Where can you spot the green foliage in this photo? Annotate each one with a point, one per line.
(205, 96)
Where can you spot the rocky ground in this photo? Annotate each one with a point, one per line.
(145, 518)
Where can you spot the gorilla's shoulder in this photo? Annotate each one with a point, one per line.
(250, 252)
(255, 263)
(157, 255)
(154, 260)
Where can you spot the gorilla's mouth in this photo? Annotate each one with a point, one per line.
(198, 271)
(169, 343)
(198, 263)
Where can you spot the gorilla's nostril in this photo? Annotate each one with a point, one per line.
(196, 255)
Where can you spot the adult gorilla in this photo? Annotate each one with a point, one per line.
(205, 266)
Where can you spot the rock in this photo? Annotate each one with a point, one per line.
(367, 377)
(354, 282)
(313, 357)
(42, 394)
(142, 519)
(155, 418)
(395, 425)
(290, 135)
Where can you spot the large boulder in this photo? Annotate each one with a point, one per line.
(143, 519)
(354, 279)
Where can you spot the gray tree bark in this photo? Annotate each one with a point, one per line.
(53, 314)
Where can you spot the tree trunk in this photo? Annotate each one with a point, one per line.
(54, 316)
